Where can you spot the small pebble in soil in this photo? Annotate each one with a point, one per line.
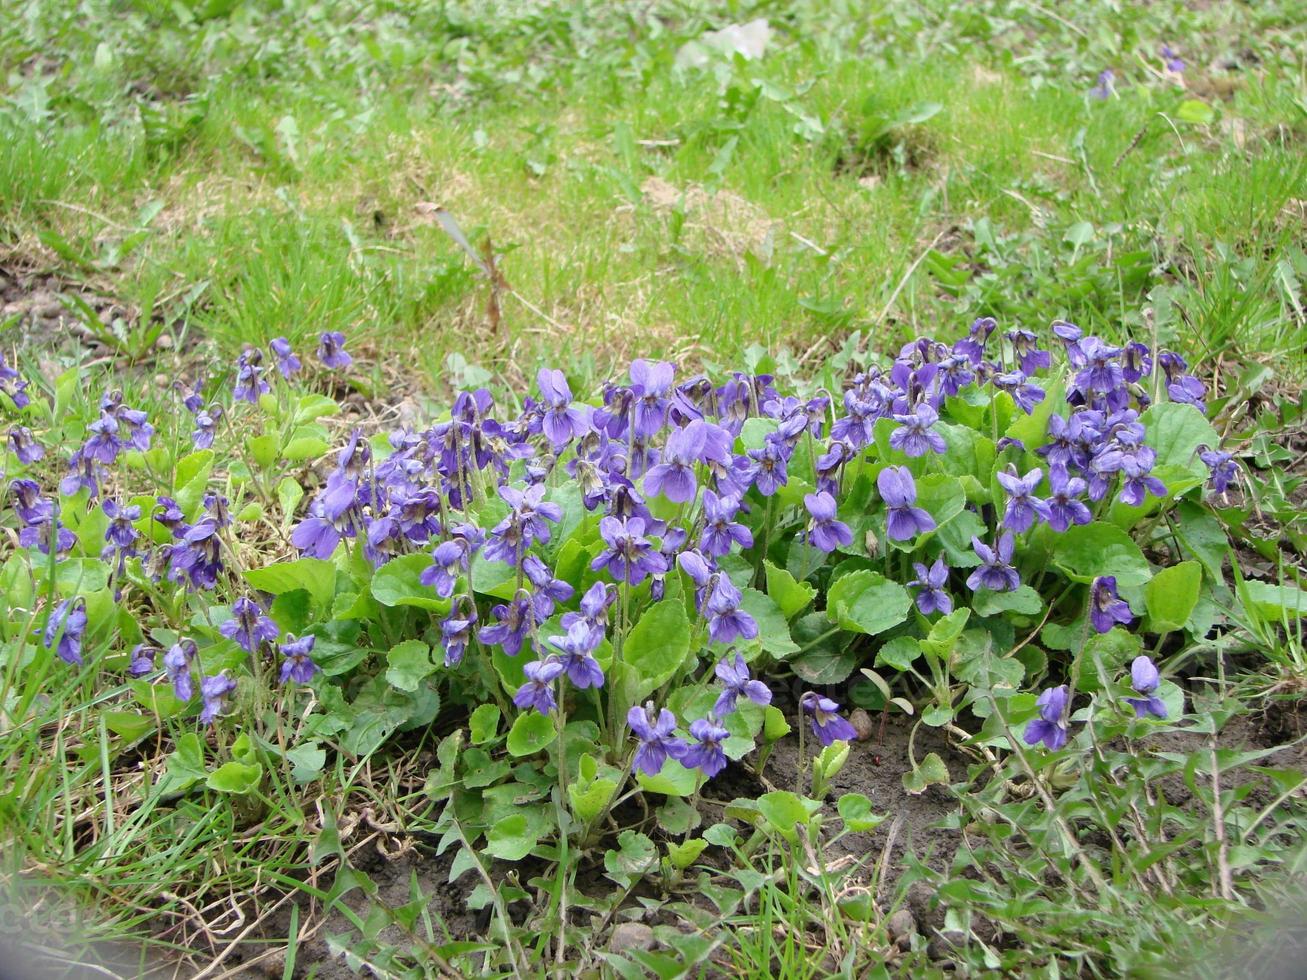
(901, 927)
(861, 722)
(631, 935)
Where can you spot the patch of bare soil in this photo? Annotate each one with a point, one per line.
(718, 222)
(38, 305)
(394, 877)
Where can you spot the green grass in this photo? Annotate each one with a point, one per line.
(252, 170)
(288, 170)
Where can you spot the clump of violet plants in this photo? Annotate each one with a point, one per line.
(630, 594)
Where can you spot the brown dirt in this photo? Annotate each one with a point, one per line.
(32, 297)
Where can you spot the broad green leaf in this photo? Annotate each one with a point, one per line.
(791, 596)
(774, 724)
(783, 811)
(1087, 551)
(262, 449)
(867, 602)
(304, 447)
(530, 733)
(191, 480)
(408, 662)
(484, 723)
(185, 766)
(943, 498)
(658, 644)
(396, 583)
(1196, 112)
(493, 578)
(1274, 602)
(944, 634)
(315, 576)
(1202, 535)
(979, 664)
(855, 810)
(75, 576)
(511, 838)
(1176, 431)
(827, 657)
(235, 777)
(307, 761)
(313, 406)
(588, 801)
(635, 856)
(686, 853)
(899, 653)
(1032, 430)
(128, 725)
(672, 780)
(773, 629)
(677, 817)
(1111, 652)
(1171, 595)
(1023, 599)
(931, 770)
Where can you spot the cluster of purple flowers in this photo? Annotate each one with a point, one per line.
(118, 428)
(656, 741)
(1052, 724)
(654, 437)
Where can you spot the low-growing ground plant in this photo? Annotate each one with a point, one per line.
(609, 603)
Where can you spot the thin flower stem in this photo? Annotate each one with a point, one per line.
(1050, 805)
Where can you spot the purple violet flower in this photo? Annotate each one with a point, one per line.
(12, 385)
(720, 530)
(538, 691)
(727, 622)
(214, 691)
(827, 725)
(24, 446)
(1064, 506)
(1051, 725)
(143, 657)
(512, 621)
(1103, 90)
(578, 660)
(657, 742)
(64, 630)
(706, 754)
(1023, 507)
(594, 607)
(1106, 607)
(249, 627)
(287, 362)
(249, 377)
(914, 436)
(297, 665)
(177, 663)
(736, 683)
(456, 630)
(824, 531)
(931, 581)
(1222, 468)
(995, 571)
(1145, 679)
(629, 556)
(903, 520)
(562, 423)
(650, 381)
(771, 471)
(206, 423)
(331, 351)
